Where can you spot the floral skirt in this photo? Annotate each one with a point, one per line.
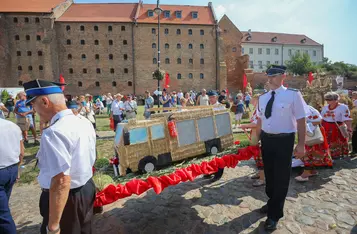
(318, 155)
(259, 161)
(337, 143)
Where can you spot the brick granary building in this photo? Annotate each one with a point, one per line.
(112, 47)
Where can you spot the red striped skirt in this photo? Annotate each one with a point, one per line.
(337, 143)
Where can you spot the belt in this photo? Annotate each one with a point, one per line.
(278, 135)
(332, 122)
(70, 191)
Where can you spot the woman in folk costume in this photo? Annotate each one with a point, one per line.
(259, 177)
(317, 155)
(337, 123)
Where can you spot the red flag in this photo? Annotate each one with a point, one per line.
(227, 93)
(167, 80)
(311, 77)
(245, 81)
(61, 80)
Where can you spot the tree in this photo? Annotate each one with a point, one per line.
(4, 96)
(300, 64)
(339, 68)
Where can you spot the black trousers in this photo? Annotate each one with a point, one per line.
(354, 141)
(78, 212)
(277, 155)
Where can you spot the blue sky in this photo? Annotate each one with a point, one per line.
(329, 22)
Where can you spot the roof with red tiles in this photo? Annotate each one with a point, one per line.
(100, 12)
(278, 38)
(204, 14)
(29, 6)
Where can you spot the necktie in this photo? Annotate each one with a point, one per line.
(269, 107)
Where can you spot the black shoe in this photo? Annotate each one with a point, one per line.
(270, 225)
(264, 209)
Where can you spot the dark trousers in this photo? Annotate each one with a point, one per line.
(354, 141)
(117, 119)
(8, 177)
(277, 155)
(78, 212)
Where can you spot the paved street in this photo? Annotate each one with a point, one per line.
(327, 204)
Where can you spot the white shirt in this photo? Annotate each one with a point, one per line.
(312, 117)
(204, 101)
(355, 103)
(130, 106)
(179, 95)
(116, 106)
(288, 107)
(10, 138)
(218, 106)
(340, 114)
(67, 146)
(109, 100)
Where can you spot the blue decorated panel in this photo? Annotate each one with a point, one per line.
(186, 132)
(223, 124)
(206, 128)
(157, 132)
(118, 134)
(138, 135)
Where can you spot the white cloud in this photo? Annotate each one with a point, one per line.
(220, 11)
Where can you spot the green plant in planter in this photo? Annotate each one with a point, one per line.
(158, 74)
(101, 163)
(101, 180)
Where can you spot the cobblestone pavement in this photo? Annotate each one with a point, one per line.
(327, 204)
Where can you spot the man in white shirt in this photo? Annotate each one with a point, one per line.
(130, 107)
(65, 159)
(117, 108)
(11, 154)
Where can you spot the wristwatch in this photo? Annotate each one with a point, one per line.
(54, 231)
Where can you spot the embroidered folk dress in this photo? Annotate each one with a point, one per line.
(337, 143)
(317, 155)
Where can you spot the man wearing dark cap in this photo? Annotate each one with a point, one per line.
(65, 159)
(281, 113)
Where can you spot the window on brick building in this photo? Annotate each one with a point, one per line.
(202, 76)
(202, 46)
(167, 61)
(125, 57)
(112, 70)
(190, 61)
(110, 28)
(29, 53)
(167, 46)
(70, 71)
(276, 51)
(20, 83)
(190, 32)
(260, 63)
(81, 28)
(39, 53)
(154, 61)
(314, 53)
(17, 37)
(40, 68)
(18, 53)
(234, 49)
(84, 71)
(126, 70)
(260, 50)
(268, 51)
(179, 14)
(38, 37)
(110, 57)
(83, 42)
(96, 28)
(98, 71)
(130, 83)
(97, 56)
(125, 42)
(80, 84)
(202, 61)
(153, 45)
(179, 76)
(19, 68)
(178, 31)
(69, 42)
(195, 14)
(202, 32)
(190, 46)
(110, 42)
(97, 84)
(96, 42)
(153, 30)
(27, 20)
(84, 56)
(179, 61)
(166, 31)
(250, 50)
(123, 28)
(167, 14)
(68, 27)
(15, 20)
(190, 75)
(150, 13)
(27, 37)
(114, 84)
(178, 46)
(37, 20)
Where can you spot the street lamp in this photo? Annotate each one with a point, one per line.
(158, 11)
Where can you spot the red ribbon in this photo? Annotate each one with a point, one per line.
(112, 193)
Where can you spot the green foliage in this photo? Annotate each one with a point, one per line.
(300, 64)
(339, 68)
(101, 163)
(158, 74)
(4, 96)
(101, 180)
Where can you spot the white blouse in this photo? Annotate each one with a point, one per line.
(340, 114)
